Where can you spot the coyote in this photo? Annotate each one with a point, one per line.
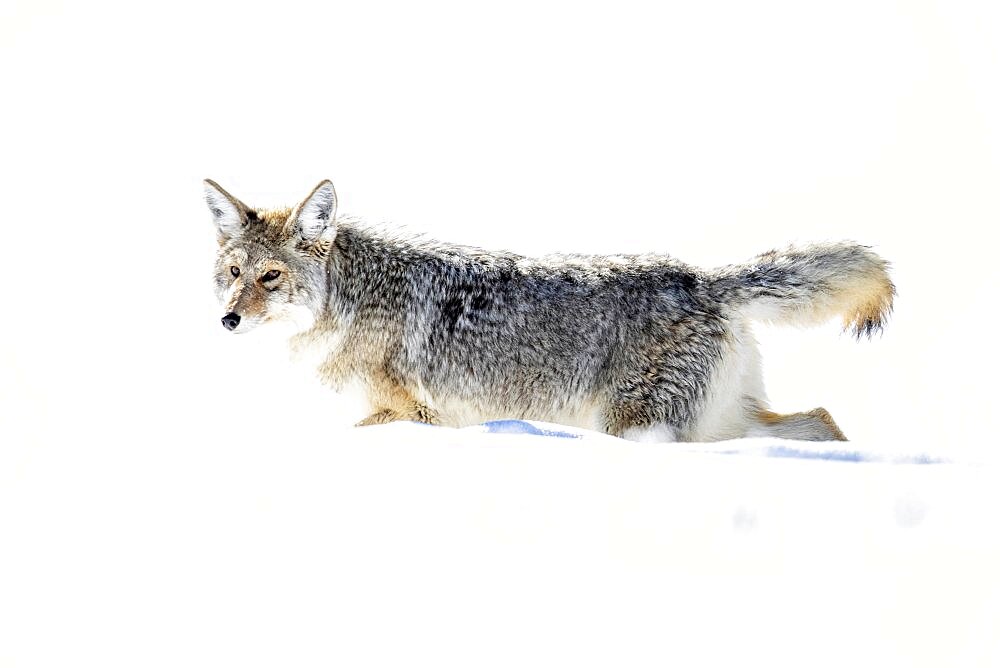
(643, 347)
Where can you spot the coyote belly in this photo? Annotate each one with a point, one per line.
(639, 346)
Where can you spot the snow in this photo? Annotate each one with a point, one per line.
(506, 544)
(172, 495)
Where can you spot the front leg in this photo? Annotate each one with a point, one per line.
(380, 417)
(391, 402)
(416, 413)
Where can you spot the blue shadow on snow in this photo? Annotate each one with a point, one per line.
(783, 451)
(522, 427)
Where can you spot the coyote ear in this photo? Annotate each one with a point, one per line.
(315, 217)
(228, 212)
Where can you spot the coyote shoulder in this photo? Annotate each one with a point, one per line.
(639, 346)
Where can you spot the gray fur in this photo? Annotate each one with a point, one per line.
(451, 334)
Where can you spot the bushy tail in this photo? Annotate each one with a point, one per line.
(809, 285)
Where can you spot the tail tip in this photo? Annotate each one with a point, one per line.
(870, 318)
(866, 328)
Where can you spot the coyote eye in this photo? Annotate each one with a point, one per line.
(271, 275)
(235, 271)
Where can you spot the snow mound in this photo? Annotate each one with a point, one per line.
(508, 543)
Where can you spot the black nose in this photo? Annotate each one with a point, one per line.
(230, 321)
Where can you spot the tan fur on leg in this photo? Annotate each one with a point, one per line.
(814, 425)
(394, 404)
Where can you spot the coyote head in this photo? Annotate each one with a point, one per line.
(272, 264)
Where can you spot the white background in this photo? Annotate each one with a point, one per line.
(708, 130)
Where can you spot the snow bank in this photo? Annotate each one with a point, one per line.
(507, 544)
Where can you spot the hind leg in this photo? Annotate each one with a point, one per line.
(635, 421)
(814, 425)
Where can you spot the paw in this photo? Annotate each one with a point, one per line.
(381, 417)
